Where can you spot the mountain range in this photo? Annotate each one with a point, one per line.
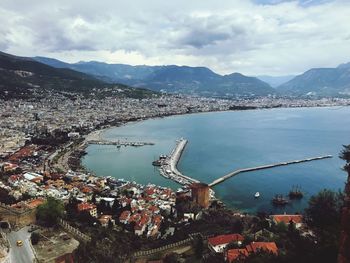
(317, 82)
(21, 77)
(321, 82)
(173, 79)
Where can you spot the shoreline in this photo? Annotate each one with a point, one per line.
(127, 122)
(100, 132)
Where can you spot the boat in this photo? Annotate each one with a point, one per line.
(296, 192)
(257, 195)
(279, 200)
(157, 163)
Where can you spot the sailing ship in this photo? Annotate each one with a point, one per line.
(279, 200)
(295, 192)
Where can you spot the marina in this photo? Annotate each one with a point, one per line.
(210, 153)
(168, 165)
(119, 143)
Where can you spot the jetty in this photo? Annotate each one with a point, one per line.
(119, 143)
(229, 175)
(168, 168)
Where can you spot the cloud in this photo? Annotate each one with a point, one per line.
(253, 37)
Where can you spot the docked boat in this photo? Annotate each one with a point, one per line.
(296, 193)
(257, 195)
(279, 200)
(161, 160)
(157, 163)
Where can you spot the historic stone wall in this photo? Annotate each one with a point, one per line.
(17, 216)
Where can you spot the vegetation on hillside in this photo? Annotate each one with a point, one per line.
(49, 212)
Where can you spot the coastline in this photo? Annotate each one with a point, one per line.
(128, 122)
(163, 148)
(99, 133)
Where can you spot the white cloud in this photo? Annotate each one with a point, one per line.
(261, 37)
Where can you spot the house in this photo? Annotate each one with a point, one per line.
(188, 216)
(8, 167)
(255, 247)
(33, 177)
(139, 228)
(236, 254)
(14, 178)
(124, 217)
(218, 244)
(233, 255)
(91, 208)
(296, 219)
(104, 220)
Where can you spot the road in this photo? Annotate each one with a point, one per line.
(23, 254)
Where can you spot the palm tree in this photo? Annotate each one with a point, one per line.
(344, 251)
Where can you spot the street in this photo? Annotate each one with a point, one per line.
(23, 254)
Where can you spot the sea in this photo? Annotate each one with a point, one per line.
(221, 142)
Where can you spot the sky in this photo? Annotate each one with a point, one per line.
(253, 37)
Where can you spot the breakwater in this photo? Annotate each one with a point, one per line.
(229, 175)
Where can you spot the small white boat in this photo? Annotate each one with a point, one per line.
(257, 195)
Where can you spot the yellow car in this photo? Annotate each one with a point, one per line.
(19, 243)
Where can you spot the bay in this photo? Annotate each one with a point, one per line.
(220, 142)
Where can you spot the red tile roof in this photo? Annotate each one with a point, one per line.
(234, 254)
(225, 239)
(267, 246)
(85, 206)
(287, 218)
(35, 202)
(124, 215)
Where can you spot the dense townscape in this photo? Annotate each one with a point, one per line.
(41, 145)
(22, 120)
(175, 131)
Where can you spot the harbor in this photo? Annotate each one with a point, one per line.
(168, 165)
(119, 143)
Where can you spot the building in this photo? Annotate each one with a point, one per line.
(287, 219)
(33, 177)
(255, 247)
(233, 255)
(20, 214)
(91, 208)
(200, 194)
(236, 254)
(105, 219)
(218, 244)
(124, 217)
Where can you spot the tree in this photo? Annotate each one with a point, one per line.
(93, 198)
(116, 207)
(324, 209)
(198, 247)
(34, 238)
(261, 257)
(71, 207)
(171, 258)
(49, 212)
(344, 251)
(110, 224)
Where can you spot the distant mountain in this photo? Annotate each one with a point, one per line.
(174, 79)
(344, 66)
(320, 82)
(21, 77)
(275, 81)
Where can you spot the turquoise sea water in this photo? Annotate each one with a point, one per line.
(220, 142)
